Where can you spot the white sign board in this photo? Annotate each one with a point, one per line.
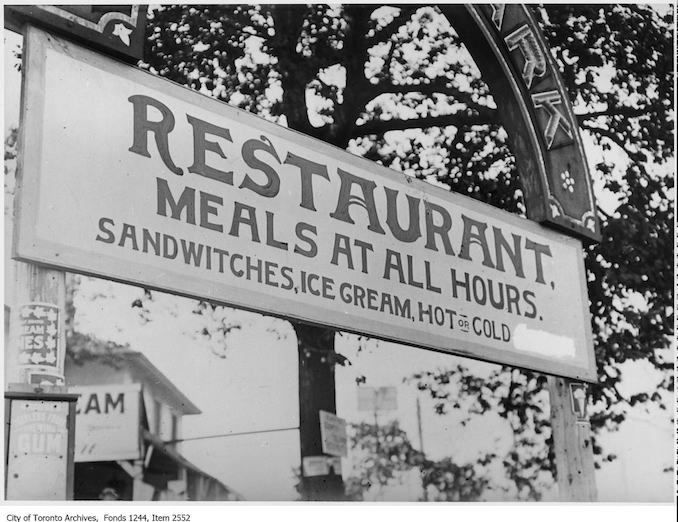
(377, 399)
(107, 423)
(318, 465)
(37, 453)
(130, 177)
(333, 434)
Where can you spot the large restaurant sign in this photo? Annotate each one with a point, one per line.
(130, 177)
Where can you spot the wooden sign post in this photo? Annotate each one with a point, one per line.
(320, 476)
(575, 471)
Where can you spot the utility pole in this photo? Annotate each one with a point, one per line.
(575, 472)
(421, 436)
(320, 478)
(34, 384)
(34, 284)
(421, 444)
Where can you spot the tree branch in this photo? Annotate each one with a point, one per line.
(607, 134)
(629, 112)
(439, 85)
(450, 120)
(637, 156)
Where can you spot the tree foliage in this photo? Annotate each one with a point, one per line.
(395, 85)
(385, 452)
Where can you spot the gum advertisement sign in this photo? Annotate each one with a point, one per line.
(130, 177)
(38, 450)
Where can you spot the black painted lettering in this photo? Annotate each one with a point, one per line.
(201, 145)
(160, 129)
(244, 214)
(539, 251)
(207, 209)
(271, 187)
(301, 231)
(442, 230)
(474, 232)
(307, 169)
(186, 202)
(109, 236)
(413, 231)
(366, 201)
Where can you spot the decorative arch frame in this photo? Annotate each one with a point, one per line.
(535, 109)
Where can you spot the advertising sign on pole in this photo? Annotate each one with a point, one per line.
(107, 423)
(133, 178)
(333, 434)
(39, 353)
(578, 401)
(38, 450)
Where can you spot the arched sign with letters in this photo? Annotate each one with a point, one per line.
(508, 47)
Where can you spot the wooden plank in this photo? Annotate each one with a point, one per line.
(573, 447)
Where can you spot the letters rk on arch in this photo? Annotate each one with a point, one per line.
(509, 49)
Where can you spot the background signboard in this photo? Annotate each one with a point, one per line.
(107, 423)
(333, 434)
(384, 398)
(130, 177)
(115, 29)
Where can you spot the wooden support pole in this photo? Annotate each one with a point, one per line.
(35, 284)
(316, 392)
(573, 448)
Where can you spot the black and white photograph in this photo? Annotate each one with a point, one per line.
(337, 253)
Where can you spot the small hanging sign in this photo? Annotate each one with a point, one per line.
(578, 401)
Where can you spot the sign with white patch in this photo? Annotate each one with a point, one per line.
(333, 434)
(107, 423)
(39, 353)
(179, 192)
